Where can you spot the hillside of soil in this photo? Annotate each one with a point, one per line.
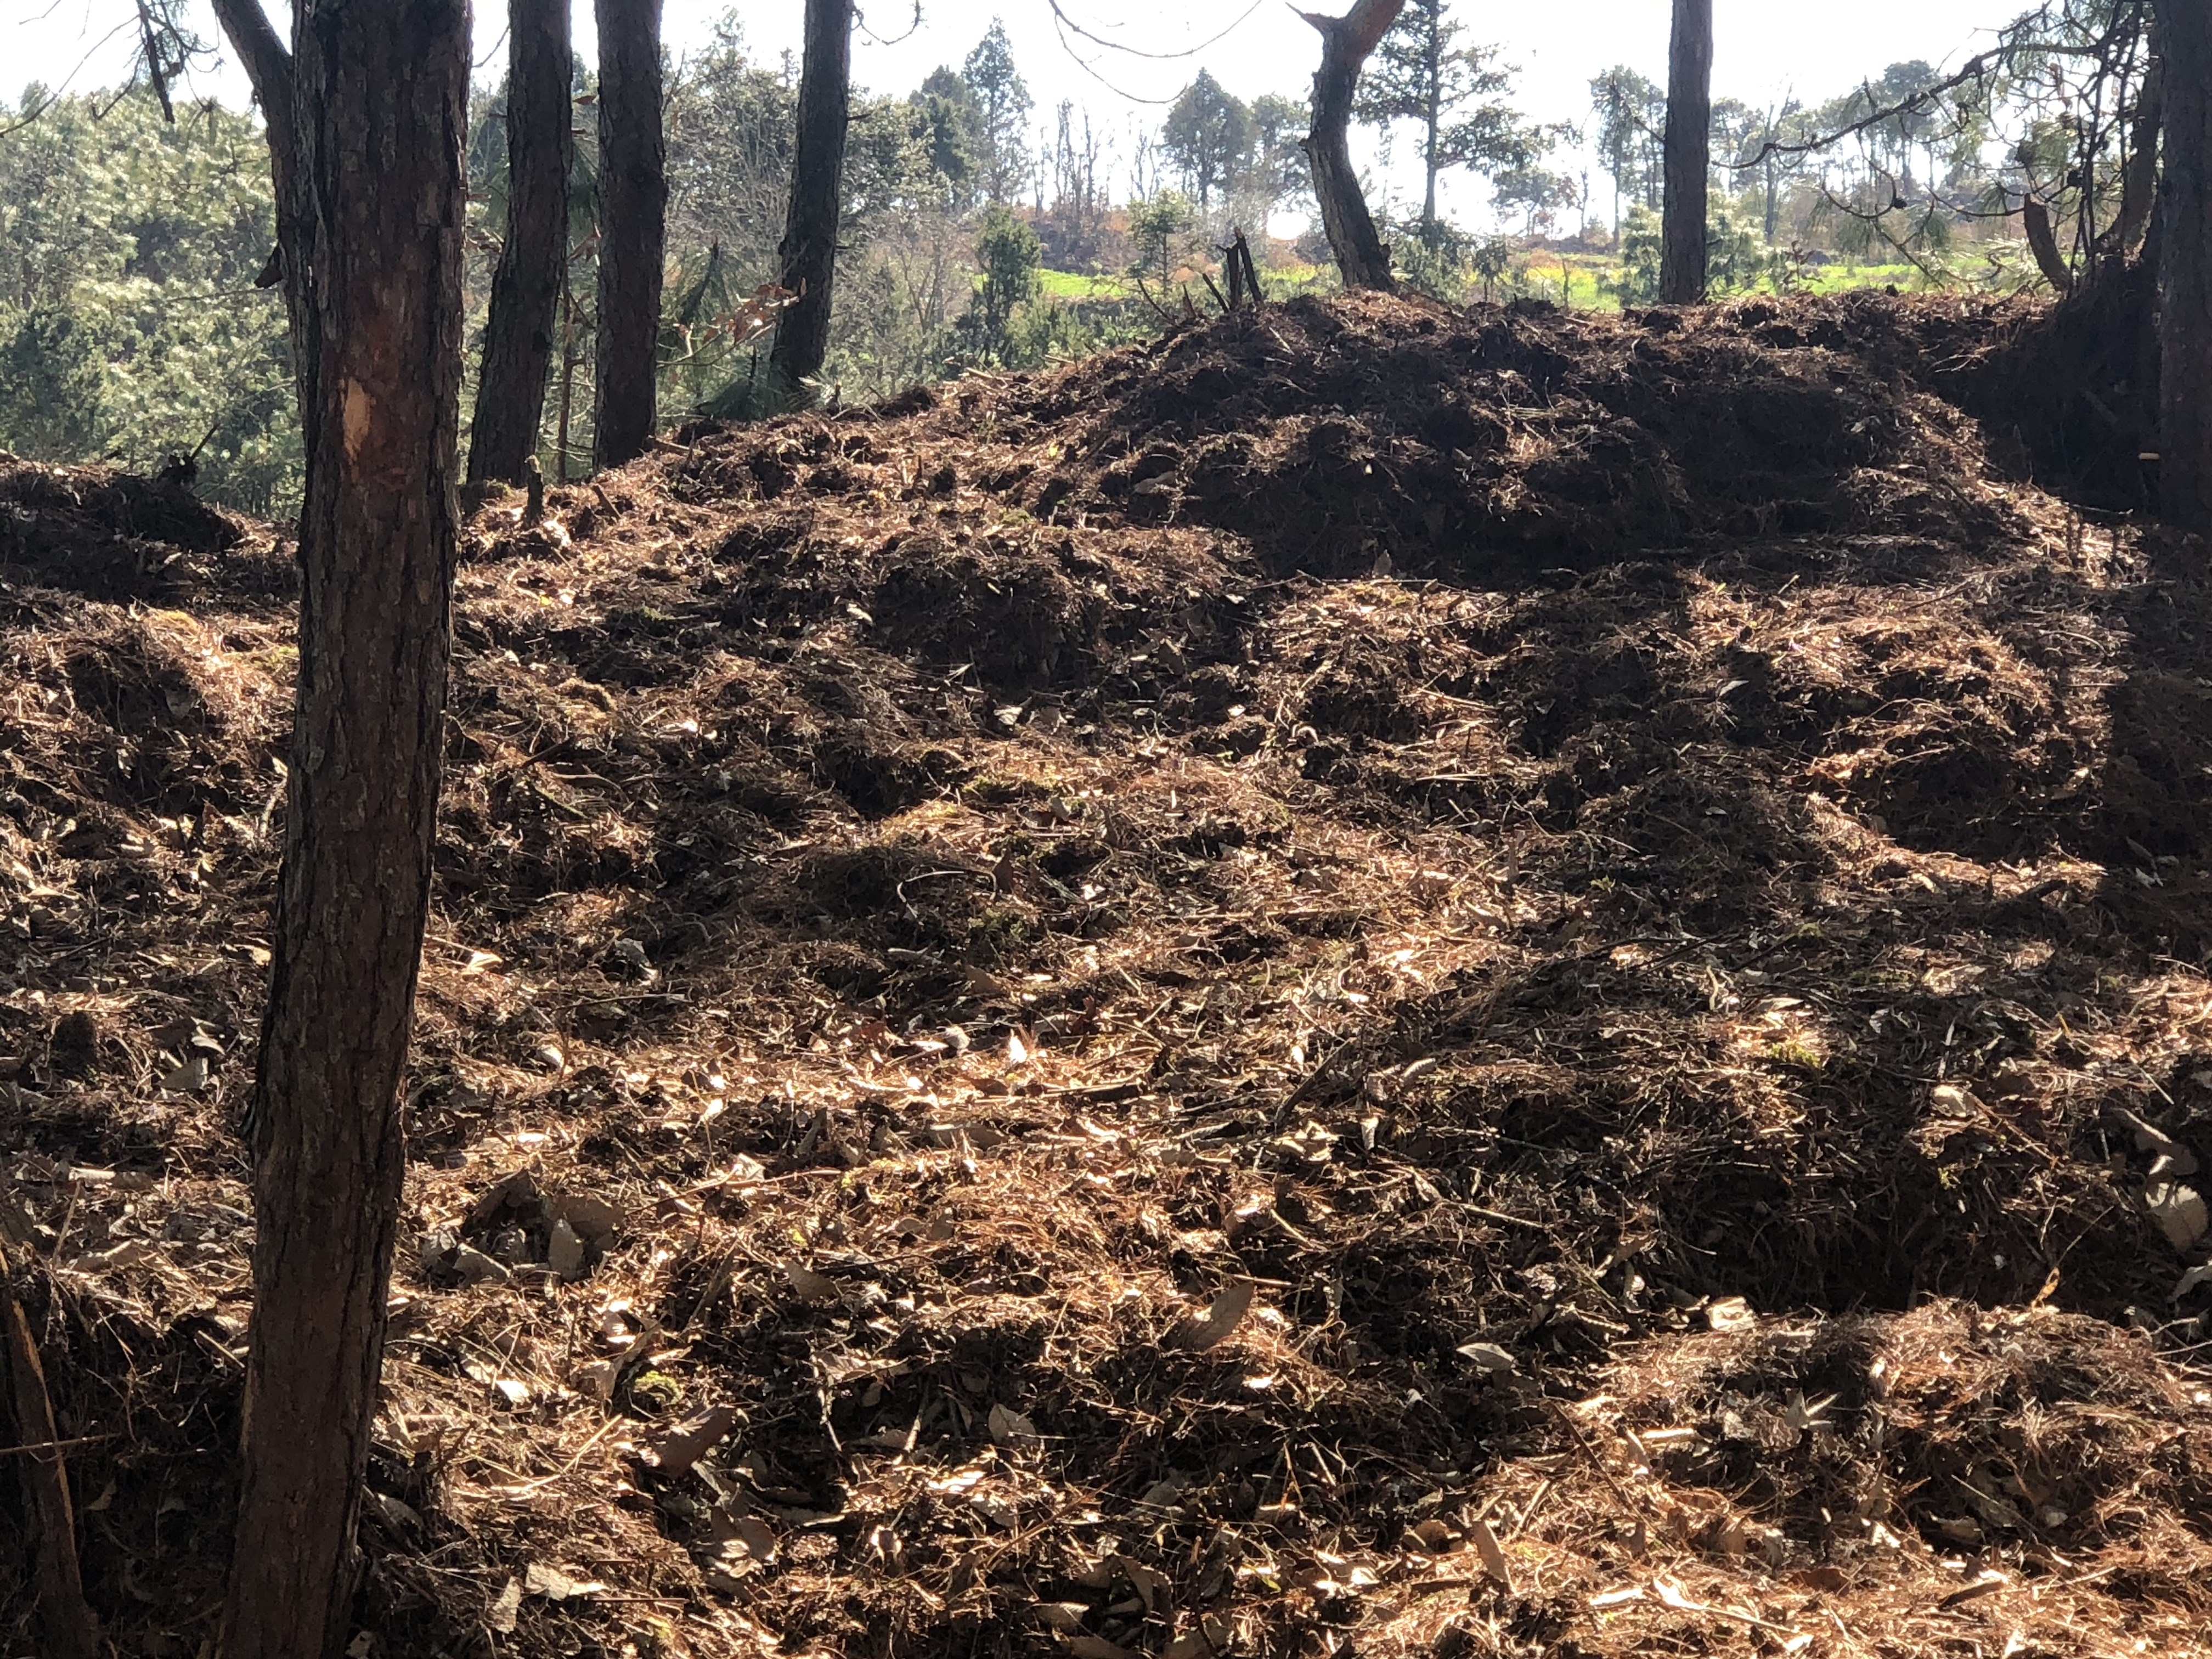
(1370, 980)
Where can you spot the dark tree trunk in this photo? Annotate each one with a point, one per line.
(2139, 179)
(2043, 243)
(633, 230)
(268, 72)
(1688, 155)
(381, 98)
(809, 253)
(518, 349)
(2184, 239)
(1345, 42)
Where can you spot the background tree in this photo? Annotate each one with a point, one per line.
(525, 289)
(1002, 101)
(1077, 222)
(1207, 139)
(810, 236)
(1455, 96)
(1159, 227)
(633, 196)
(1345, 42)
(380, 101)
(1276, 171)
(1688, 148)
(1632, 116)
(130, 326)
(1007, 252)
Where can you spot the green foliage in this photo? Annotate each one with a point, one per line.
(129, 326)
(1160, 228)
(1455, 95)
(1001, 99)
(1639, 256)
(1008, 253)
(1632, 126)
(1207, 138)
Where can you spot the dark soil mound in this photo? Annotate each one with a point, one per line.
(1652, 1024)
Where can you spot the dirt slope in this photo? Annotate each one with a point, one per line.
(1620, 906)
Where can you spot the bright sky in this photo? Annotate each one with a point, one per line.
(1762, 50)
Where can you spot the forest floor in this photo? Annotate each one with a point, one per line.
(1369, 980)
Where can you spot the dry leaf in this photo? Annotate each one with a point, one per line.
(1209, 1329)
(1492, 1552)
(1012, 1429)
(499, 1615)
(1210, 1636)
(1097, 1647)
(808, 1286)
(1730, 1312)
(564, 1252)
(555, 1585)
(689, 1440)
(2179, 1209)
(1150, 1582)
(1619, 1597)
(1060, 1615)
(1489, 1358)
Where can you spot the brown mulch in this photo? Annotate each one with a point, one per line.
(1369, 979)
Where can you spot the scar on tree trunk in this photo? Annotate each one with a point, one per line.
(1345, 42)
(66, 1625)
(381, 91)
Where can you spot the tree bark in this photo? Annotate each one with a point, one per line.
(2184, 239)
(633, 230)
(1687, 156)
(382, 102)
(525, 289)
(1345, 42)
(809, 253)
(2139, 179)
(2043, 243)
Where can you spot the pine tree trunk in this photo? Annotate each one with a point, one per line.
(1687, 155)
(518, 348)
(268, 72)
(809, 253)
(633, 230)
(2185, 239)
(381, 92)
(1345, 43)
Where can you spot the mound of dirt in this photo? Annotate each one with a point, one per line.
(1020, 1046)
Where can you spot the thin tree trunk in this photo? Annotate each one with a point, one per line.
(1688, 155)
(381, 96)
(1345, 42)
(633, 230)
(2139, 179)
(809, 253)
(268, 70)
(2184, 239)
(1433, 65)
(2043, 242)
(525, 289)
